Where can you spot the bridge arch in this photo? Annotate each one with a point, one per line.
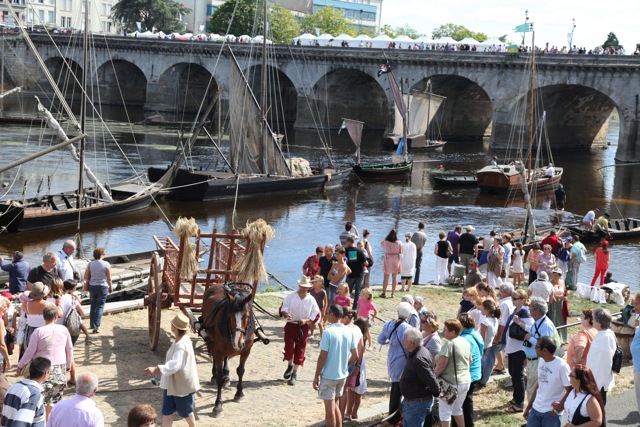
(66, 73)
(182, 87)
(282, 95)
(121, 82)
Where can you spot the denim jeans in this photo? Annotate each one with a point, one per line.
(416, 276)
(489, 361)
(543, 419)
(332, 291)
(414, 413)
(516, 371)
(98, 297)
(355, 286)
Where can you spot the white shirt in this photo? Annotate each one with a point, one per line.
(79, 411)
(549, 171)
(589, 217)
(600, 358)
(492, 327)
(553, 377)
(300, 309)
(514, 345)
(506, 308)
(65, 265)
(541, 289)
(177, 363)
(572, 402)
(409, 254)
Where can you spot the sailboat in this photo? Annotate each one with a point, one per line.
(83, 204)
(507, 178)
(423, 107)
(256, 164)
(400, 165)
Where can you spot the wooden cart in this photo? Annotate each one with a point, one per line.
(166, 288)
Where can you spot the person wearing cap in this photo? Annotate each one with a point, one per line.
(589, 218)
(18, 270)
(419, 238)
(409, 258)
(393, 334)
(46, 271)
(558, 308)
(601, 226)
(602, 263)
(179, 379)
(32, 312)
(467, 247)
(561, 197)
(53, 342)
(299, 309)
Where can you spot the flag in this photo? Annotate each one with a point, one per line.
(524, 28)
(426, 89)
(139, 25)
(400, 146)
(384, 69)
(344, 126)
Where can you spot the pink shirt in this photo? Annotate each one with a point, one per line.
(365, 308)
(59, 351)
(343, 301)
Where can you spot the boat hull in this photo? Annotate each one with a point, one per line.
(505, 179)
(56, 210)
(201, 185)
(384, 170)
(619, 228)
(458, 180)
(414, 142)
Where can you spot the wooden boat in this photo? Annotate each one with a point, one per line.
(459, 180)
(256, 165)
(422, 109)
(384, 170)
(54, 209)
(620, 229)
(506, 178)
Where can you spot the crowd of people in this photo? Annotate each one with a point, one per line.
(41, 314)
(503, 326)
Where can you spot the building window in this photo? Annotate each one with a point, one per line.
(52, 18)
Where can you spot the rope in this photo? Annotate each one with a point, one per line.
(263, 311)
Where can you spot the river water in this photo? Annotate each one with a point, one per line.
(305, 221)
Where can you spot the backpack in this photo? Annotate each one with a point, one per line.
(581, 254)
(73, 322)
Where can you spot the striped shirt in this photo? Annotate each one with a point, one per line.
(24, 405)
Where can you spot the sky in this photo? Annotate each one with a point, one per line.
(552, 19)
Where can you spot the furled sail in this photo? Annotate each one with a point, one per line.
(248, 155)
(422, 113)
(354, 128)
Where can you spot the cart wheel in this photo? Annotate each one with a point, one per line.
(154, 289)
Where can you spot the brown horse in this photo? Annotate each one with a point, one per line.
(227, 313)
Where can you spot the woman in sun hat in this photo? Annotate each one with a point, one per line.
(558, 308)
(179, 374)
(32, 311)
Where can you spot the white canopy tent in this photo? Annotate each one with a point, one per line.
(345, 38)
(424, 39)
(363, 37)
(325, 39)
(470, 41)
(306, 38)
(445, 40)
(382, 41)
(403, 39)
(492, 41)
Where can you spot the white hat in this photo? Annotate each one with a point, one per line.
(305, 282)
(470, 228)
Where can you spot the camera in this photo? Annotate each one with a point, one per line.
(526, 344)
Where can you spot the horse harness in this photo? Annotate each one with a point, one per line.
(223, 304)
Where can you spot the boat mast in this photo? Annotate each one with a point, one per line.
(263, 92)
(531, 103)
(530, 225)
(83, 105)
(428, 110)
(2, 80)
(405, 125)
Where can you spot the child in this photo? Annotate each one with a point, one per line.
(354, 395)
(518, 269)
(469, 296)
(366, 305)
(343, 299)
(475, 312)
(320, 296)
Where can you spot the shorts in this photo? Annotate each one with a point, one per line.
(455, 409)
(183, 405)
(330, 389)
(405, 277)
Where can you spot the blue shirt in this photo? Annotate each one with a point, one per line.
(18, 272)
(397, 357)
(545, 328)
(338, 342)
(477, 348)
(635, 351)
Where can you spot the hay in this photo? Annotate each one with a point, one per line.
(251, 266)
(187, 228)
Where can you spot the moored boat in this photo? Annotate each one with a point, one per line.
(507, 179)
(459, 180)
(384, 170)
(619, 228)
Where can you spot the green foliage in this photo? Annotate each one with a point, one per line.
(160, 15)
(284, 26)
(612, 40)
(371, 32)
(330, 20)
(457, 32)
(223, 21)
(394, 32)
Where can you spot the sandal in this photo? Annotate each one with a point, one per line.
(510, 403)
(513, 409)
(498, 372)
(382, 295)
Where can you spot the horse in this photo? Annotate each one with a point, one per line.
(227, 313)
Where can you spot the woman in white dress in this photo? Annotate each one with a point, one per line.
(518, 267)
(409, 256)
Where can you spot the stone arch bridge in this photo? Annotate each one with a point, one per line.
(320, 85)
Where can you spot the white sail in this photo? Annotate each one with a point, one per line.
(422, 114)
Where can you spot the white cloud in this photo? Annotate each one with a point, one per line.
(552, 18)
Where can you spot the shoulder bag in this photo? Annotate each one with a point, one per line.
(73, 321)
(515, 331)
(616, 363)
(448, 391)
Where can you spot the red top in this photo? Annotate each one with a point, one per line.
(552, 240)
(602, 259)
(310, 266)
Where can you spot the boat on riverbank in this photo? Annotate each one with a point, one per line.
(620, 229)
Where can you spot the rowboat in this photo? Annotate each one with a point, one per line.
(460, 180)
(620, 229)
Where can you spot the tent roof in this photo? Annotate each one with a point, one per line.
(363, 37)
(306, 36)
(469, 40)
(344, 37)
(425, 39)
(383, 37)
(403, 39)
(325, 36)
(492, 41)
(445, 40)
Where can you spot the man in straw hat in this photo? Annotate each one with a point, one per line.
(300, 309)
(179, 375)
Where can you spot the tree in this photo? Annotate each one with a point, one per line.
(224, 21)
(612, 40)
(161, 15)
(329, 20)
(457, 32)
(394, 32)
(284, 26)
